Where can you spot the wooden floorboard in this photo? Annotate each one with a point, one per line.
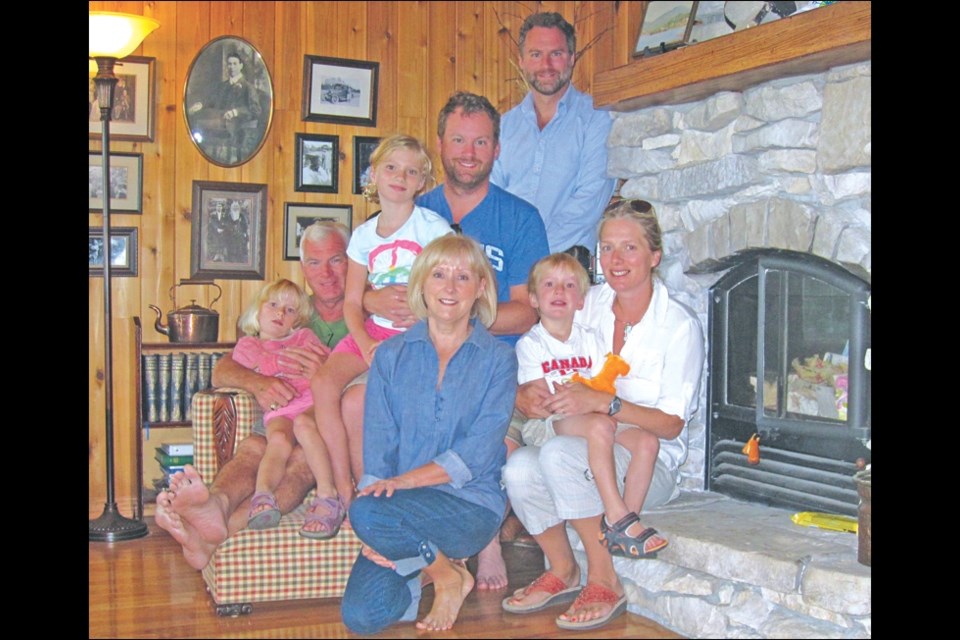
(144, 589)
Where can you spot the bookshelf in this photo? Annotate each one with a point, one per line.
(156, 426)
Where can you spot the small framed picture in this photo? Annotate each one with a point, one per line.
(340, 91)
(317, 163)
(363, 146)
(126, 182)
(297, 216)
(132, 117)
(123, 251)
(228, 238)
(665, 26)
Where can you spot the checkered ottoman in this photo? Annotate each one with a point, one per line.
(270, 564)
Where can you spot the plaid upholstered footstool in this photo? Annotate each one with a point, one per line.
(269, 564)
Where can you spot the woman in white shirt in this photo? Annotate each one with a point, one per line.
(551, 485)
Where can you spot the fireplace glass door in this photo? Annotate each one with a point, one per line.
(789, 333)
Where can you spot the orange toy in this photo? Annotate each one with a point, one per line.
(752, 449)
(613, 366)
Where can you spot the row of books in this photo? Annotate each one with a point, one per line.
(170, 380)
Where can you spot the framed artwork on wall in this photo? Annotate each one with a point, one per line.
(317, 163)
(126, 182)
(297, 216)
(666, 26)
(123, 251)
(133, 98)
(363, 146)
(228, 101)
(228, 238)
(339, 90)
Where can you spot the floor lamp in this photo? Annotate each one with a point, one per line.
(112, 36)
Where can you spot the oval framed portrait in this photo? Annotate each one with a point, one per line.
(228, 101)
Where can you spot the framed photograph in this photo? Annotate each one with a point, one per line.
(123, 251)
(317, 164)
(133, 101)
(665, 27)
(228, 101)
(126, 182)
(228, 239)
(340, 90)
(297, 216)
(363, 146)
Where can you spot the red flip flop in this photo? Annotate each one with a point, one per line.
(559, 592)
(593, 594)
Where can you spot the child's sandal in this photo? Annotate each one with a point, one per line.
(263, 518)
(619, 543)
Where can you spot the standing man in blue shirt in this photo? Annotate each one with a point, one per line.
(554, 143)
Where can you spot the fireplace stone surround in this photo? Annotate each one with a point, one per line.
(785, 165)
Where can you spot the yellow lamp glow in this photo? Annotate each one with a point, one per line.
(117, 35)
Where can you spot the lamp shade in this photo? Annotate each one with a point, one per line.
(117, 35)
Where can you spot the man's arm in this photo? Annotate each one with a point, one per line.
(391, 303)
(266, 389)
(516, 315)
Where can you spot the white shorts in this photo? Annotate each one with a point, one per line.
(553, 483)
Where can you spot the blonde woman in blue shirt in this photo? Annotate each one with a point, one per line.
(438, 402)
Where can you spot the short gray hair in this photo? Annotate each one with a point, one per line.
(319, 230)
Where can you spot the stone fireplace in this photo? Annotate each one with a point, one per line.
(780, 170)
(783, 165)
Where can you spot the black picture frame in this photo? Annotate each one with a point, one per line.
(126, 182)
(124, 258)
(228, 235)
(227, 123)
(363, 146)
(299, 215)
(340, 90)
(317, 163)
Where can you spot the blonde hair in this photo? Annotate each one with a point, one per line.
(558, 261)
(641, 212)
(250, 319)
(393, 143)
(450, 248)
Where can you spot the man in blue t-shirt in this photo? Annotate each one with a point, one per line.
(508, 228)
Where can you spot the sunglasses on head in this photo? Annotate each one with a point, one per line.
(456, 228)
(640, 206)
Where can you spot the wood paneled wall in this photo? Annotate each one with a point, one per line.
(426, 51)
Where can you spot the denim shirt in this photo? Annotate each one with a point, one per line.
(409, 421)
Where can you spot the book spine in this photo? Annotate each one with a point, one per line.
(163, 371)
(177, 449)
(204, 366)
(171, 460)
(150, 383)
(192, 381)
(176, 386)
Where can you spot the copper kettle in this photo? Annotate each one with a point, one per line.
(191, 323)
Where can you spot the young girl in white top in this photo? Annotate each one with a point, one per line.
(381, 253)
(275, 322)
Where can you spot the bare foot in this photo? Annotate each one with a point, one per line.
(451, 585)
(196, 550)
(491, 570)
(192, 517)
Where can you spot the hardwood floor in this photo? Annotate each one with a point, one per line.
(144, 589)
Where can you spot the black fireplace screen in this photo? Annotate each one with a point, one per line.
(803, 322)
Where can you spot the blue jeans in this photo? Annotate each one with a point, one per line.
(407, 528)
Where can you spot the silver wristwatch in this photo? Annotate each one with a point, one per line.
(615, 406)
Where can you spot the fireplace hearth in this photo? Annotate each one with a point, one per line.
(802, 321)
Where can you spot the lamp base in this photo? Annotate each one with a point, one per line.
(113, 527)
